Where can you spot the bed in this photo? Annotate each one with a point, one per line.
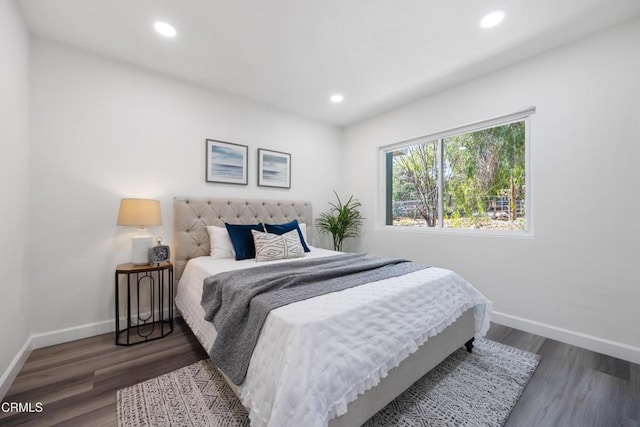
(270, 391)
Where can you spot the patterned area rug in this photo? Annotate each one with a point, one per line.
(470, 389)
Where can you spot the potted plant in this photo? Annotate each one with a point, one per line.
(343, 221)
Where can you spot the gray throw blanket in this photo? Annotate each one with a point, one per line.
(238, 302)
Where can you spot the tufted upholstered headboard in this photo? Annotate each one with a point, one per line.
(192, 215)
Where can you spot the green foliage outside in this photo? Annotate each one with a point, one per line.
(415, 175)
(483, 179)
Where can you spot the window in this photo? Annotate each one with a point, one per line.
(471, 178)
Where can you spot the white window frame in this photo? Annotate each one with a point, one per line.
(525, 115)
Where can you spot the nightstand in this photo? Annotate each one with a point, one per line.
(148, 302)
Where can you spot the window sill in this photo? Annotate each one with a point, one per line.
(457, 231)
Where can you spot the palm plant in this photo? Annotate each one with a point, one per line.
(343, 221)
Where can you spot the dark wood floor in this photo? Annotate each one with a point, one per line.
(77, 381)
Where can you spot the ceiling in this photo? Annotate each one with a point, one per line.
(294, 54)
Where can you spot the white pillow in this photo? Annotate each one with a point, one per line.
(221, 246)
(303, 230)
(270, 247)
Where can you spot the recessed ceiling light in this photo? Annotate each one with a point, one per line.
(492, 19)
(337, 98)
(165, 29)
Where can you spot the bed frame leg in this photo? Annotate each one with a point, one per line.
(469, 345)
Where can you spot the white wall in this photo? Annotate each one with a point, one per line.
(579, 274)
(102, 130)
(14, 113)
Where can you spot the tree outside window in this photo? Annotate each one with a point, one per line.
(471, 180)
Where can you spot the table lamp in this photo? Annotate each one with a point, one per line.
(141, 213)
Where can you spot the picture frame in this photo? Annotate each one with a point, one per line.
(226, 162)
(274, 169)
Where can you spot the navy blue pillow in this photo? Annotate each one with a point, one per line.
(285, 228)
(242, 239)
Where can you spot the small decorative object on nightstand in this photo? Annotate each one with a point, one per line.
(159, 253)
(149, 302)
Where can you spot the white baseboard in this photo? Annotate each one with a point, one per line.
(599, 345)
(84, 331)
(71, 334)
(14, 368)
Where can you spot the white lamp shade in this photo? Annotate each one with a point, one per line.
(139, 212)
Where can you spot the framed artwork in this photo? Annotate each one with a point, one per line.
(226, 162)
(274, 169)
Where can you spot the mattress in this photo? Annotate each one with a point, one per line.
(316, 356)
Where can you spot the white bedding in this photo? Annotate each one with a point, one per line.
(316, 356)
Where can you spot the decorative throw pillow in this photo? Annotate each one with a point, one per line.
(303, 230)
(242, 239)
(220, 242)
(285, 228)
(270, 247)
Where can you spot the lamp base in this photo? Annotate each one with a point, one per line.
(140, 249)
